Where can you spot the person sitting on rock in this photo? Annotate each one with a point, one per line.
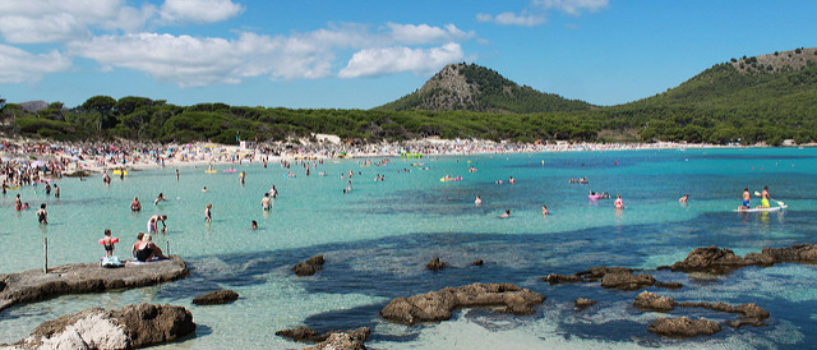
(145, 249)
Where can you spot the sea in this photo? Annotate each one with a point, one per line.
(377, 238)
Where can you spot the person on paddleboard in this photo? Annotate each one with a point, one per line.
(764, 197)
(747, 199)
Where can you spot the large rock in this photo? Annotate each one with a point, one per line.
(626, 280)
(750, 314)
(309, 335)
(34, 285)
(796, 253)
(555, 278)
(651, 301)
(717, 261)
(133, 326)
(435, 264)
(339, 341)
(583, 303)
(217, 297)
(437, 306)
(683, 327)
(310, 266)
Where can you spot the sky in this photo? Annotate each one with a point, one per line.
(361, 54)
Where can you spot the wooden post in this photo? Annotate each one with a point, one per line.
(45, 254)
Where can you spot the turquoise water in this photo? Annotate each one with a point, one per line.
(377, 239)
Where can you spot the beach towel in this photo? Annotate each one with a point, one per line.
(111, 262)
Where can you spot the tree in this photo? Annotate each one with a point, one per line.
(104, 105)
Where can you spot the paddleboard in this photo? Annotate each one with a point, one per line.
(119, 172)
(761, 210)
(210, 171)
(230, 171)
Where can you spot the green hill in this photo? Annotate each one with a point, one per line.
(475, 88)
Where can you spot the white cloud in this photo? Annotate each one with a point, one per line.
(573, 7)
(199, 11)
(411, 34)
(197, 61)
(511, 19)
(379, 61)
(19, 66)
(46, 21)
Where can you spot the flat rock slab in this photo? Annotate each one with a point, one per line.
(217, 297)
(437, 306)
(34, 285)
(683, 327)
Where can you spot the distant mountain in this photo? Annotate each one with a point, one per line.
(779, 77)
(34, 106)
(476, 88)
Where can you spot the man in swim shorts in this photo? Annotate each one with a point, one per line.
(747, 199)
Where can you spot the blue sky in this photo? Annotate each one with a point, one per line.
(361, 54)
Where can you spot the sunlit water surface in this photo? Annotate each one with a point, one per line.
(377, 239)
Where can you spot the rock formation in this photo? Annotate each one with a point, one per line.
(582, 303)
(437, 305)
(217, 297)
(310, 266)
(133, 326)
(435, 264)
(309, 335)
(683, 327)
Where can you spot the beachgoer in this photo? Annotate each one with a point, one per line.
(764, 197)
(135, 205)
(25, 205)
(208, 213)
(619, 203)
(507, 214)
(747, 199)
(204, 189)
(145, 249)
(159, 198)
(108, 242)
(106, 178)
(18, 203)
(511, 180)
(478, 201)
(265, 202)
(177, 174)
(243, 174)
(47, 189)
(273, 192)
(684, 199)
(42, 215)
(56, 191)
(254, 225)
(545, 211)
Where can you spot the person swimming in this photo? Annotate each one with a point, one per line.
(506, 215)
(478, 201)
(254, 225)
(160, 198)
(684, 199)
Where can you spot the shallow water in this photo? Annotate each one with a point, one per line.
(377, 239)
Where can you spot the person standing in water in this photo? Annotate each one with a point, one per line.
(135, 205)
(545, 211)
(266, 202)
(478, 201)
(684, 199)
(177, 174)
(56, 191)
(208, 213)
(42, 215)
(18, 203)
(619, 203)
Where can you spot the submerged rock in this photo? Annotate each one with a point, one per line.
(750, 314)
(797, 253)
(683, 327)
(310, 266)
(133, 326)
(582, 303)
(669, 285)
(437, 305)
(477, 262)
(435, 264)
(217, 297)
(555, 278)
(651, 301)
(306, 334)
(33, 285)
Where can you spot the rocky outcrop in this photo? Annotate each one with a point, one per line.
(133, 326)
(435, 264)
(626, 280)
(437, 306)
(339, 341)
(309, 335)
(34, 285)
(217, 297)
(612, 277)
(478, 262)
(310, 266)
(683, 327)
(582, 303)
(750, 314)
(716, 260)
(651, 301)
